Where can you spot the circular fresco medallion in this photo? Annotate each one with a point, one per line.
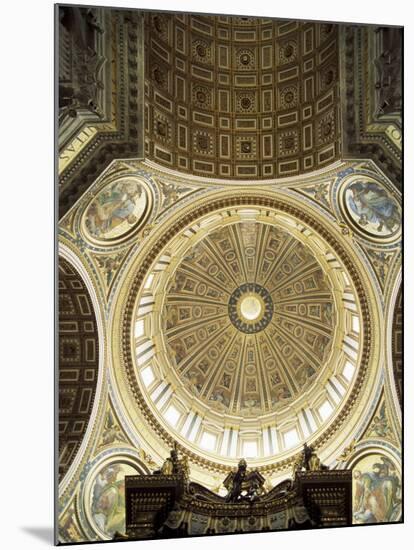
(120, 208)
(370, 209)
(107, 498)
(376, 490)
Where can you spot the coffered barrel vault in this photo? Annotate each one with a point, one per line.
(78, 362)
(241, 97)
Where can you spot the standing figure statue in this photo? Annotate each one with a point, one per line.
(308, 460)
(236, 482)
(170, 464)
(244, 485)
(173, 465)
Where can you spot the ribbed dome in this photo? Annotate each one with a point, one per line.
(249, 318)
(246, 332)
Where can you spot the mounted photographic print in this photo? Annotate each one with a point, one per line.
(229, 351)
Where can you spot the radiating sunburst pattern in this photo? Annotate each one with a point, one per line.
(239, 371)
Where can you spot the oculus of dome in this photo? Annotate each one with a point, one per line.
(250, 308)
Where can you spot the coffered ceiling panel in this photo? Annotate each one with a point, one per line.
(240, 97)
(397, 345)
(78, 362)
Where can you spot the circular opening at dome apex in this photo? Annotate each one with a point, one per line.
(251, 307)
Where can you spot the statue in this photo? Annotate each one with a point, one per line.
(308, 460)
(307, 454)
(314, 462)
(184, 467)
(170, 464)
(234, 486)
(173, 465)
(297, 465)
(243, 485)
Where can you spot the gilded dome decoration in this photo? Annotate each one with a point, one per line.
(230, 294)
(249, 318)
(243, 332)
